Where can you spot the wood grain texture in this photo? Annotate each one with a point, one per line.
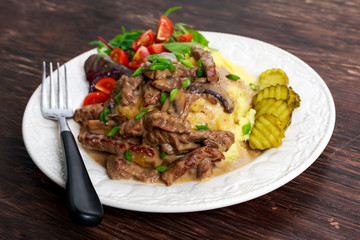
(321, 203)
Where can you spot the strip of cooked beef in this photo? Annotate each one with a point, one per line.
(130, 91)
(204, 169)
(112, 120)
(111, 102)
(199, 53)
(167, 148)
(157, 119)
(221, 140)
(167, 84)
(117, 87)
(192, 159)
(151, 94)
(119, 168)
(115, 118)
(104, 143)
(181, 72)
(152, 121)
(111, 105)
(132, 128)
(158, 137)
(181, 143)
(98, 127)
(216, 91)
(171, 143)
(89, 112)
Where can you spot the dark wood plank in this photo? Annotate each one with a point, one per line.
(321, 203)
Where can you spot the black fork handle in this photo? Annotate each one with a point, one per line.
(84, 204)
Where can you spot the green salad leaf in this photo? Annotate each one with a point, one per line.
(180, 47)
(122, 41)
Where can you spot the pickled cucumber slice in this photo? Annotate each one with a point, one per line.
(272, 77)
(294, 99)
(279, 92)
(279, 108)
(266, 133)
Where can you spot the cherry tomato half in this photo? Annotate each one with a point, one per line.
(119, 56)
(186, 37)
(95, 97)
(165, 29)
(105, 85)
(145, 39)
(139, 58)
(157, 48)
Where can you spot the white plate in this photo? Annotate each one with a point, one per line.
(310, 131)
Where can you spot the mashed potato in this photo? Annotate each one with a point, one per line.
(205, 113)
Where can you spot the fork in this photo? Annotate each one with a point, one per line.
(84, 205)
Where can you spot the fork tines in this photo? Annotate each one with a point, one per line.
(50, 100)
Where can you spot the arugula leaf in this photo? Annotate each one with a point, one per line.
(122, 41)
(199, 38)
(102, 48)
(185, 47)
(180, 47)
(182, 27)
(171, 10)
(125, 39)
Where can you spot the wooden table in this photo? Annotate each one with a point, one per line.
(321, 203)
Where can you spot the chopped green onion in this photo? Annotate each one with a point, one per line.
(137, 72)
(113, 131)
(160, 63)
(202, 127)
(179, 56)
(161, 168)
(171, 10)
(165, 60)
(181, 25)
(118, 98)
(173, 94)
(103, 115)
(153, 57)
(162, 97)
(172, 67)
(246, 128)
(186, 83)
(158, 66)
(232, 77)
(186, 63)
(254, 87)
(162, 155)
(141, 113)
(128, 155)
(200, 69)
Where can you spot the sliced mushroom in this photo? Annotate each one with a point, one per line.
(216, 91)
(176, 106)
